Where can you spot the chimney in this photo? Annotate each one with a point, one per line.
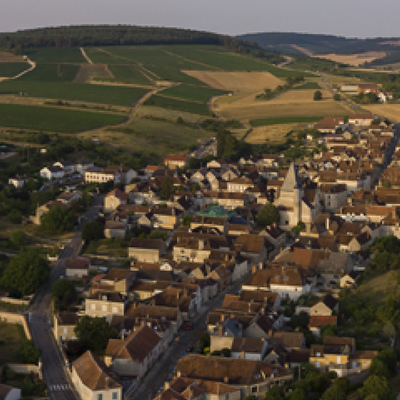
(327, 223)
(222, 317)
(254, 269)
(260, 265)
(249, 307)
(394, 212)
(178, 374)
(107, 383)
(153, 302)
(226, 379)
(166, 385)
(201, 244)
(220, 330)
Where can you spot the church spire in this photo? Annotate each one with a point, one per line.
(292, 181)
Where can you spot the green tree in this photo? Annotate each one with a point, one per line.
(26, 272)
(59, 219)
(389, 358)
(268, 215)
(379, 368)
(18, 237)
(186, 220)
(343, 383)
(64, 293)
(15, 216)
(297, 394)
(28, 353)
(167, 188)
(334, 393)
(317, 95)
(337, 97)
(379, 386)
(328, 330)
(93, 333)
(275, 393)
(93, 231)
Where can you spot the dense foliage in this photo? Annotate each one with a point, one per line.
(64, 294)
(93, 231)
(268, 215)
(59, 219)
(117, 35)
(28, 353)
(25, 273)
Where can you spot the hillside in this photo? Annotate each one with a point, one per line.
(296, 43)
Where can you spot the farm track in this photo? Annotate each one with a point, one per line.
(85, 56)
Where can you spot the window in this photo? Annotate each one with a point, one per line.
(115, 395)
(99, 397)
(254, 389)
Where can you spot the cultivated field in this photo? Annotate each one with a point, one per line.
(52, 119)
(192, 93)
(353, 59)
(11, 69)
(390, 111)
(87, 72)
(178, 104)
(270, 134)
(10, 58)
(294, 103)
(55, 55)
(237, 81)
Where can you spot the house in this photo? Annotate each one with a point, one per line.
(246, 348)
(146, 250)
(77, 267)
(177, 298)
(18, 181)
(166, 217)
(333, 196)
(349, 280)
(317, 322)
(115, 229)
(121, 174)
(183, 388)
(289, 340)
(93, 380)
(361, 119)
(119, 279)
(114, 199)
(253, 377)
(133, 356)
(259, 327)
(11, 393)
(368, 88)
(67, 198)
(252, 246)
(64, 326)
(52, 172)
(338, 354)
(325, 307)
(175, 162)
(101, 304)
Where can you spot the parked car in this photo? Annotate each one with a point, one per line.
(188, 326)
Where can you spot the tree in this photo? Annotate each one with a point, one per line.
(334, 393)
(389, 330)
(18, 237)
(317, 95)
(15, 216)
(328, 330)
(28, 353)
(93, 231)
(26, 272)
(59, 219)
(337, 97)
(343, 383)
(225, 352)
(186, 220)
(379, 386)
(297, 394)
(275, 393)
(378, 368)
(93, 333)
(389, 358)
(64, 293)
(166, 188)
(268, 215)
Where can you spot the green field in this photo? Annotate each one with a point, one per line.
(127, 74)
(115, 95)
(55, 54)
(12, 69)
(51, 73)
(308, 86)
(179, 105)
(283, 120)
(192, 93)
(11, 338)
(52, 119)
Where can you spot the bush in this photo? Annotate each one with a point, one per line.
(28, 353)
(317, 95)
(93, 231)
(14, 216)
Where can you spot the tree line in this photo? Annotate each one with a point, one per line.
(124, 35)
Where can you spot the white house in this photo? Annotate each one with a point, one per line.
(52, 172)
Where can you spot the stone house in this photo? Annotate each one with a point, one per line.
(101, 304)
(64, 326)
(146, 250)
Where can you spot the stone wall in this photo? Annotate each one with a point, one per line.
(13, 318)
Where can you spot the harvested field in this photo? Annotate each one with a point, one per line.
(237, 81)
(353, 59)
(9, 57)
(87, 72)
(271, 133)
(390, 111)
(296, 103)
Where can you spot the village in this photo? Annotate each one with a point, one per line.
(233, 274)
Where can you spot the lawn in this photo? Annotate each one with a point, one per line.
(115, 95)
(193, 93)
(180, 105)
(108, 247)
(11, 337)
(52, 73)
(283, 120)
(270, 133)
(12, 69)
(54, 120)
(55, 54)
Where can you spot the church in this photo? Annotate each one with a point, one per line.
(295, 202)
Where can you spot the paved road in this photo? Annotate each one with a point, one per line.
(157, 375)
(54, 372)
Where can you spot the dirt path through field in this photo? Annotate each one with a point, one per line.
(85, 56)
(32, 66)
(305, 51)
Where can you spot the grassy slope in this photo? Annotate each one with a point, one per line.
(192, 93)
(180, 105)
(55, 54)
(51, 119)
(51, 73)
(12, 69)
